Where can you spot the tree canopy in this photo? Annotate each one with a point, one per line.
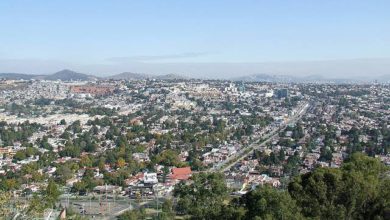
(360, 189)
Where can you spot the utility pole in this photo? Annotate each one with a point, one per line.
(157, 203)
(67, 197)
(106, 197)
(100, 204)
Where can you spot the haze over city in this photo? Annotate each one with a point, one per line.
(217, 39)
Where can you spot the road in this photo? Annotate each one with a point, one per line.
(244, 152)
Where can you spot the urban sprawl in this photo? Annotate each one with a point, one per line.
(106, 147)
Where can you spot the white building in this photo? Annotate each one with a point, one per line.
(150, 178)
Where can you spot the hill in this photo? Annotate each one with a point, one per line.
(64, 75)
(68, 75)
(266, 78)
(129, 76)
(141, 76)
(296, 79)
(18, 76)
(169, 77)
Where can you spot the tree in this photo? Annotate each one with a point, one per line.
(356, 191)
(269, 203)
(326, 154)
(9, 184)
(80, 187)
(204, 197)
(232, 212)
(363, 179)
(169, 158)
(52, 193)
(63, 173)
(133, 215)
(317, 193)
(167, 210)
(121, 162)
(282, 155)
(291, 167)
(85, 161)
(6, 204)
(20, 155)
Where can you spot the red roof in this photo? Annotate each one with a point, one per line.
(181, 173)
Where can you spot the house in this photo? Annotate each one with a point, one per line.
(181, 173)
(141, 157)
(72, 181)
(134, 180)
(150, 178)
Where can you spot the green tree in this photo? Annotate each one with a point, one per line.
(269, 203)
(167, 211)
(204, 197)
(52, 193)
(317, 193)
(169, 158)
(63, 173)
(133, 215)
(356, 191)
(62, 122)
(363, 179)
(8, 205)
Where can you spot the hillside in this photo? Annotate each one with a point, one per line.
(64, 75)
(169, 77)
(141, 76)
(18, 76)
(68, 75)
(128, 76)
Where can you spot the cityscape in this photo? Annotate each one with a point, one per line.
(194, 110)
(114, 145)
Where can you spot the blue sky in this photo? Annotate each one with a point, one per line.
(145, 36)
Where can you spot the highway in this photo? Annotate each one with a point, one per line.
(244, 152)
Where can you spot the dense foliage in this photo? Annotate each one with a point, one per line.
(358, 190)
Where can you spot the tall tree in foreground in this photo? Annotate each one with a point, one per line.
(203, 198)
(269, 203)
(359, 190)
(52, 193)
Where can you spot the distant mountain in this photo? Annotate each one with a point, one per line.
(129, 76)
(68, 75)
(18, 76)
(141, 76)
(294, 79)
(168, 77)
(64, 75)
(266, 78)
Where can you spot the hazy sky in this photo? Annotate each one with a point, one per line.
(333, 37)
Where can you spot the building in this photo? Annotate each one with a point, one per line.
(150, 178)
(282, 93)
(107, 189)
(92, 89)
(183, 173)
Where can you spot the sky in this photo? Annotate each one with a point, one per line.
(196, 37)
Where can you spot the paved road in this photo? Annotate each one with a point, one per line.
(244, 152)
